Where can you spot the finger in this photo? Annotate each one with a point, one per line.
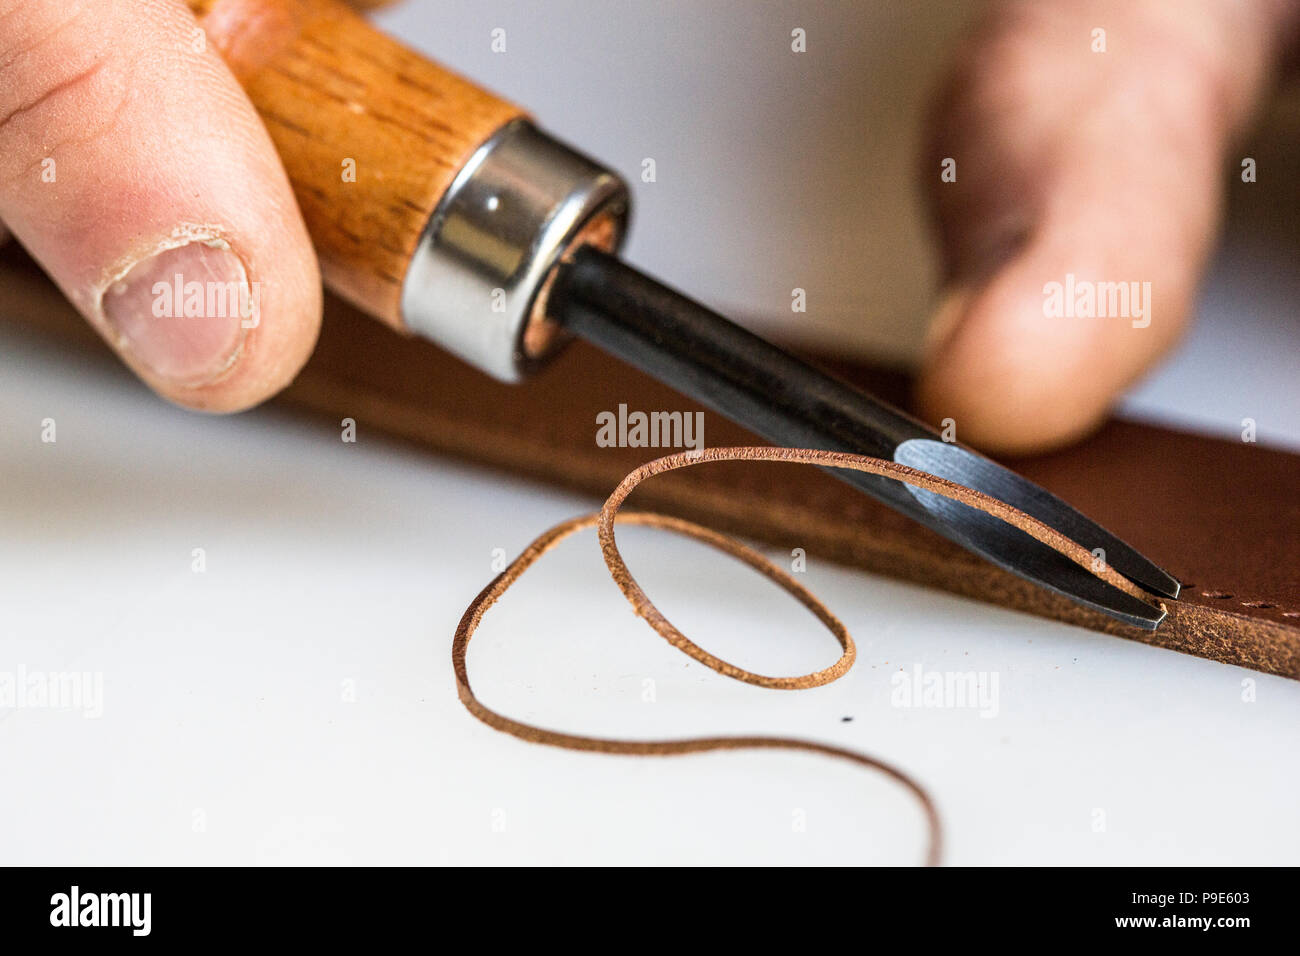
(135, 170)
(1036, 351)
(1085, 206)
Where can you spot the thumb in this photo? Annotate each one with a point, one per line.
(1033, 355)
(1088, 174)
(136, 172)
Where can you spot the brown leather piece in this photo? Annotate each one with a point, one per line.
(1223, 517)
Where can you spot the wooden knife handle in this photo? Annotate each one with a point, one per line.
(371, 133)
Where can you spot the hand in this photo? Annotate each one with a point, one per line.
(130, 156)
(1105, 166)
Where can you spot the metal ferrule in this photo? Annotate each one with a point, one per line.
(477, 283)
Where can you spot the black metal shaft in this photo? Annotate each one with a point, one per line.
(727, 368)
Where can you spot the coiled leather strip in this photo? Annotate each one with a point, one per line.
(605, 521)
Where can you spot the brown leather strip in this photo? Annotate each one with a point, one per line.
(1221, 516)
(605, 521)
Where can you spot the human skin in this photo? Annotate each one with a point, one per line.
(1107, 165)
(128, 154)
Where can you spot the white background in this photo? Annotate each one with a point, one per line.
(339, 570)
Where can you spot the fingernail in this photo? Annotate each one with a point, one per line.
(180, 313)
